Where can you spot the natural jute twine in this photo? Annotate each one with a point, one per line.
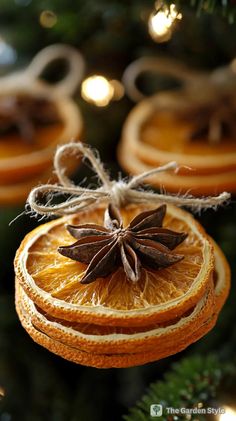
(118, 192)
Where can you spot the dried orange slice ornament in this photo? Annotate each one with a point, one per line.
(194, 126)
(36, 117)
(117, 285)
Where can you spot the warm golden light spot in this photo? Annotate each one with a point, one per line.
(2, 392)
(100, 91)
(48, 19)
(229, 415)
(161, 21)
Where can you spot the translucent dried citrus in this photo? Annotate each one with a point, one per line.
(105, 360)
(116, 340)
(52, 280)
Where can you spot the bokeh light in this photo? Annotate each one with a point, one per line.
(229, 415)
(2, 392)
(161, 22)
(48, 19)
(100, 91)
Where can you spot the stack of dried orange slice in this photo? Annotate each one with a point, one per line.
(155, 134)
(23, 162)
(112, 321)
(36, 117)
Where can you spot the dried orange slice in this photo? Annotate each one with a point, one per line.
(105, 347)
(196, 184)
(15, 194)
(154, 136)
(20, 161)
(104, 360)
(52, 281)
(114, 340)
(221, 277)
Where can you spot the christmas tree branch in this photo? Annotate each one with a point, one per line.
(193, 381)
(225, 8)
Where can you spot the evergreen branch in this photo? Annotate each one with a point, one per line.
(226, 8)
(193, 380)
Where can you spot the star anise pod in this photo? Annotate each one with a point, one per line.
(24, 113)
(144, 243)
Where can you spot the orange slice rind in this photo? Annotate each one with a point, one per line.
(104, 360)
(223, 275)
(114, 343)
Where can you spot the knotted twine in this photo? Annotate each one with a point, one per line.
(119, 192)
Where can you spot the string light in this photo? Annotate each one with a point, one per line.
(100, 91)
(229, 415)
(48, 19)
(2, 392)
(161, 21)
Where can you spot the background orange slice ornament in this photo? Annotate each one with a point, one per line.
(159, 137)
(159, 129)
(52, 281)
(197, 185)
(14, 194)
(21, 162)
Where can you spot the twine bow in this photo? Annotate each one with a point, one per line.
(119, 192)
